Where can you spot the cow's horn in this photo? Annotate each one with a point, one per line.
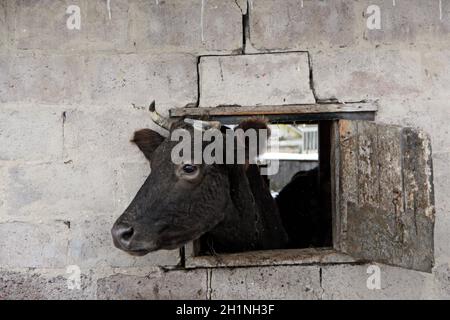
(157, 118)
(203, 125)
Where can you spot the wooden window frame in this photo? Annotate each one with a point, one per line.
(328, 116)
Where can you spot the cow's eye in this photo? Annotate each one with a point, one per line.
(189, 168)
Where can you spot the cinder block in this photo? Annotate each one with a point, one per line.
(431, 116)
(4, 79)
(247, 80)
(30, 133)
(45, 78)
(350, 282)
(107, 25)
(301, 25)
(200, 27)
(349, 75)
(91, 246)
(407, 22)
(281, 282)
(441, 177)
(3, 186)
(43, 285)
(176, 284)
(442, 281)
(3, 27)
(26, 245)
(94, 133)
(436, 70)
(121, 80)
(61, 190)
(131, 176)
(43, 25)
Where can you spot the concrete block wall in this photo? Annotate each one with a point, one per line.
(71, 99)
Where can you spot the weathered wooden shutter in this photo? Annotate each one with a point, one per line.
(385, 194)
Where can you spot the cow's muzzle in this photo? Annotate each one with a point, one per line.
(124, 238)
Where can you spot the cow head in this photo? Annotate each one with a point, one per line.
(177, 203)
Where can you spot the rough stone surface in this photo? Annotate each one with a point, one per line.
(350, 282)
(33, 245)
(265, 79)
(44, 79)
(156, 285)
(107, 28)
(98, 133)
(91, 246)
(429, 115)
(3, 186)
(42, 25)
(442, 281)
(4, 78)
(436, 72)
(442, 190)
(281, 282)
(301, 25)
(120, 80)
(349, 75)
(407, 22)
(202, 27)
(30, 135)
(43, 285)
(60, 190)
(131, 176)
(3, 27)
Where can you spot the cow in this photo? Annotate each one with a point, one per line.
(230, 205)
(303, 212)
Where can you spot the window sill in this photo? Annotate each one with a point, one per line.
(306, 256)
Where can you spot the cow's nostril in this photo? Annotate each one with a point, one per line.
(127, 233)
(122, 235)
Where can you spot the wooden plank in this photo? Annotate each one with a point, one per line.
(418, 199)
(373, 228)
(392, 219)
(368, 192)
(305, 256)
(348, 175)
(389, 154)
(325, 218)
(291, 118)
(372, 234)
(273, 110)
(335, 190)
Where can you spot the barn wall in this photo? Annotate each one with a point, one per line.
(70, 100)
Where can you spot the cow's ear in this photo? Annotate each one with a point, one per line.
(261, 132)
(147, 140)
(253, 123)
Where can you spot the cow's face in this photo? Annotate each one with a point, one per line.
(176, 204)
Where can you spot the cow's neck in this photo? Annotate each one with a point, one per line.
(251, 219)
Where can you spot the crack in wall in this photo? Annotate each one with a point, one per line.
(321, 284)
(63, 133)
(245, 28)
(182, 263)
(208, 283)
(197, 103)
(311, 77)
(239, 6)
